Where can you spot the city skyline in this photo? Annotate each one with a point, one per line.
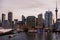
(28, 7)
(29, 19)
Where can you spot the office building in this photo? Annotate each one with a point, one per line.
(3, 17)
(57, 24)
(40, 20)
(23, 19)
(15, 23)
(12, 24)
(10, 18)
(6, 24)
(48, 19)
(31, 21)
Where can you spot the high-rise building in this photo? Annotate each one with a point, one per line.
(3, 17)
(10, 18)
(40, 20)
(23, 19)
(12, 24)
(48, 19)
(6, 24)
(36, 21)
(31, 20)
(15, 23)
(58, 24)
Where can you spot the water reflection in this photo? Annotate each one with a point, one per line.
(49, 36)
(33, 36)
(30, 36)
(20, 36)
(38, 36)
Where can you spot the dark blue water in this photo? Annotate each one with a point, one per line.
(32, 36)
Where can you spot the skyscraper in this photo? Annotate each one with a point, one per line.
(15, 23)
(3, 17)
(48, 19)
(23, 19)
(40, 20)
(31, 21)
(6, 24)
(10, 18)
(58, 24)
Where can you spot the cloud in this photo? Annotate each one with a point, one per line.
(26, 6)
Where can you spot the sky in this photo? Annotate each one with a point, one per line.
(28, 7)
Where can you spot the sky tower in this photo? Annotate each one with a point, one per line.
(56, 10)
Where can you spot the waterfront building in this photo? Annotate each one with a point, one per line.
(20, 23)
(3, 17)
(58, 24)
(23, 19)
(12, 24)
(15, 23)
(10, 18)
(6, 24)
(48, 19)
(40, 20)
(56, 11)
(31, 20)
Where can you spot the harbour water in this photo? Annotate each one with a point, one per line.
(32, 36)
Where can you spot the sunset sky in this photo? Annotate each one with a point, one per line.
(28, 7)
